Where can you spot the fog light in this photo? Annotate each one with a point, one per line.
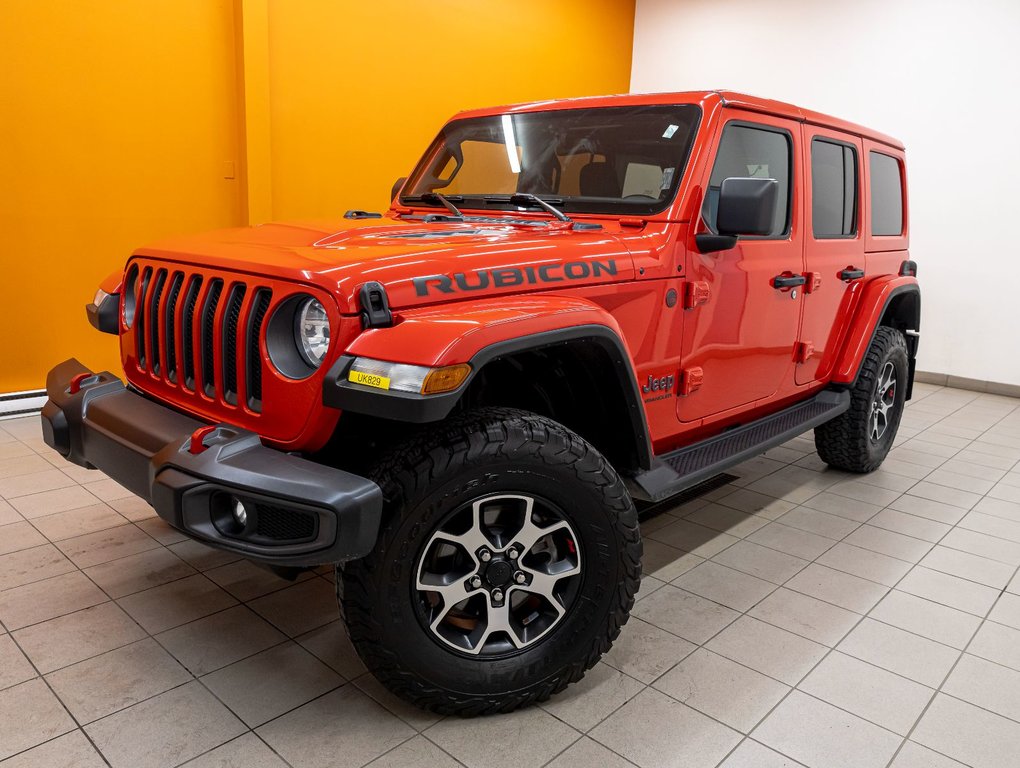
(239, 511)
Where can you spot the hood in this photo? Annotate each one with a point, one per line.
(417, 262)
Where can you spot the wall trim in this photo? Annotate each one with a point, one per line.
(973, 385)
(16, 404)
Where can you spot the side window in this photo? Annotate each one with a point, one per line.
(886, 195)
(833, 189)
(752, 151)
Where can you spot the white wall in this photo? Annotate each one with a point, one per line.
(943, 77)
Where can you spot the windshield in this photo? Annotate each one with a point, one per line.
(616, 160)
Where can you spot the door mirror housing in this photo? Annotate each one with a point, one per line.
(747, 206)
(397, 185)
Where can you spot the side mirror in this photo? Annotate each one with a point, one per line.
(396, 187)
(747, 206)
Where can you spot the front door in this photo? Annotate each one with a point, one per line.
(741, 340)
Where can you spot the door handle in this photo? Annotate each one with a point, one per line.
(851, 273)
(788, 281)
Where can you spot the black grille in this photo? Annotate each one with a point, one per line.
(154, 297)
(254, 353)
(188, 331)
(283, 524)
(230, 320)
(170, 326)
(140, 317)
(212, 300)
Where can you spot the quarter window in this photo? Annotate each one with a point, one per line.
(886, 195)
(833, 189)
(756, 152)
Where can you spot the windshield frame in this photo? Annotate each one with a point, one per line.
(615, 207)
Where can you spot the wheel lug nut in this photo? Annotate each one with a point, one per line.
(476, 581)
(519, 577)
(513, 554)
(497, 595)
(485, 556)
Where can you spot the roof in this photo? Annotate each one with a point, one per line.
(705, 98)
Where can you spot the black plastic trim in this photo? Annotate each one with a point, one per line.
(912, 341)
(338, 392)
(104, 317)
(143, 445)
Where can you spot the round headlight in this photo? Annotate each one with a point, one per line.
(312, 328)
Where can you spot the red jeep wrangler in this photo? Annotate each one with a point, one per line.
(570, 307)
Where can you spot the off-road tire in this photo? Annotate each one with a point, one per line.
(483, 452)
(845, 442)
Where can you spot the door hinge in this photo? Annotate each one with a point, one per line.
(803, 351)
(695, 294)
(691, 380)
(814, 281)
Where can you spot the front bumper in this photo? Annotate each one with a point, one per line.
(299, 513)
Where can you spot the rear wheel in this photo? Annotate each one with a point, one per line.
(859, 439)
(507, 564)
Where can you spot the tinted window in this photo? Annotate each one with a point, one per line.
(833, 189)
(623, 160)
(886, 195)
(748, 151)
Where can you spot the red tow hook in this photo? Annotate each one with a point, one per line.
(198, 436)
(75, 387)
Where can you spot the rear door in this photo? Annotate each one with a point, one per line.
(741, 340)
(833, 244)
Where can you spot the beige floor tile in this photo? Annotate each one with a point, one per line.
(104, 546)
(583, 753)
(929, 509)
(176, 603)
(913, 755)
(299, 608)
(904, 653)
(645, 652)
(30, 714)
(665, 562)
(247, 751)
(889, 543)
(201, 556)
(47, 599)
(1006, 610)
(69, 639)
(983, 545)
(1008, 510)
(772, 651)
(864, 563)
(727, 519)
(470, 741)
(757, 504)
(18, 536)
(368, 731)
(698, 539)
(751, 754)
(905, 468)
(99, 686)
(133, 508)
(161, 531)
(867, 691)
(726, 586)
(331, 644)
(806, 616)
(52, 502)
(993, 526)
(792, 541)
(986, 685)
(866, 492)
(958, 498)
(655, 731)
(967, 566)
(414, 716)
(966, 733)
(136, 573)
(587, 703)
(850, 592)
(13, 449)
(47, 479)
(266, 685)
(945, 589)
(72, 750)
(78, 522)
(890, 481)
(166, 730)
(924, 617)
(909, 525)
(107, 489)
(820, 523)
(763, 562)
(685, 614)
(818, 734)
(14, 667)
(842, 506)
(246, 581)
(28, 565)
(215, 641)
(722, 689)
(9, 514)
(997, 643)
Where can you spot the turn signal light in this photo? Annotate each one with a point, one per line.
(445, 379)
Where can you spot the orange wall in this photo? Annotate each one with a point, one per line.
(121, 120)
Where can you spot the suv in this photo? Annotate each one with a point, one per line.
(570, 308)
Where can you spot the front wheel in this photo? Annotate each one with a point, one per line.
(507, 564)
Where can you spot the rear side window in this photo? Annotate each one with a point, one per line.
(833, 189)
(752, 151)
(886, 195)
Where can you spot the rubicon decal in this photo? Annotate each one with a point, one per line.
(481, 279)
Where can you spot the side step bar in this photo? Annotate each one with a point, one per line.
(680, 469)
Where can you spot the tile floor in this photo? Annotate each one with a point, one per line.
(798, 616)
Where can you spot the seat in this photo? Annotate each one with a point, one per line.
(599, 180)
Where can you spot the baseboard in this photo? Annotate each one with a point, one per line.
(973, 385)
(13, 405)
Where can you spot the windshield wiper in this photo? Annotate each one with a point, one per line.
(436, 197)
(526, 199)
